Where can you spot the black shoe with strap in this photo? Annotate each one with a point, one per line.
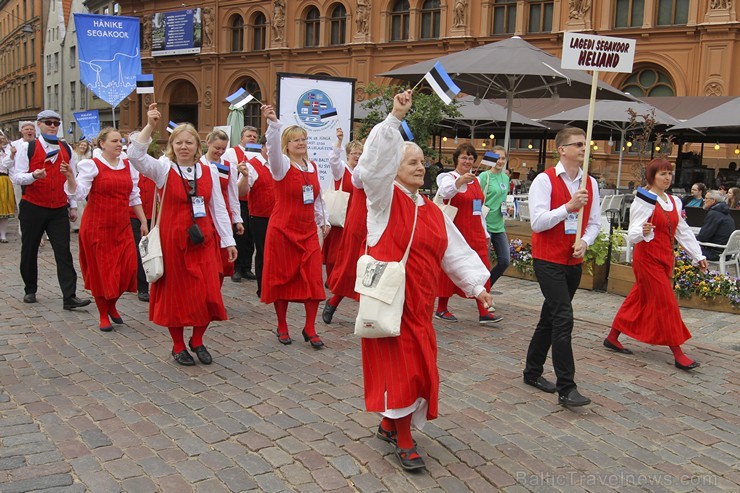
(409, 458)
(328, 313)
(183, 358)
(202, 353)
(315, 340)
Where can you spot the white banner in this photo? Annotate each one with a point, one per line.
(301, 100)
(602, 53)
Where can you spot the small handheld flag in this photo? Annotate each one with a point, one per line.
(239, 98)
(253, 147)
(442, 83)
(328, 114)
(171, 126)
(490, 159)
(145, 84)
(646, 196)
(52, 154)
(406, 132)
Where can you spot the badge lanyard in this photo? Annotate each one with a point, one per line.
(197, 204)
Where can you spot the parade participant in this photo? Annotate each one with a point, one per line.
(555, 201)
(334, 246)
(7, 196)
(147, 190)
(107, 250)
(217, 141)
(292, 252)
(463, 191)
(244, 242)
(495, 184)
(257, 185)
(400, 374)
(45, 207)
(81, 151)
(189, 292)
(650, 312)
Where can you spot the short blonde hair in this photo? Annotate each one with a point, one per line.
(291, 133)
(217, 134)
(103, 135)
(354, 145)
(183, 127)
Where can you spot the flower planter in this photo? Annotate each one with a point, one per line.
(621, 279)
(512, 271)
(597, 280)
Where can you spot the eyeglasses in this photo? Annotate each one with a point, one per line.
(51, 123)
(577, 144)
(298, 140)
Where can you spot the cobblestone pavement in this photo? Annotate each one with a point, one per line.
(82, 410)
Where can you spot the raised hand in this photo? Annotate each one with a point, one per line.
(268, 111)
(153, 115)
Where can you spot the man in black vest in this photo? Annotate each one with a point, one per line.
(45, 207)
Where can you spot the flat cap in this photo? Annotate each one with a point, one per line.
(48, 114)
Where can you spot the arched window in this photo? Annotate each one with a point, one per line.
(430, 16)
(400, 21)
(338, 25)
(259, 31)
(649, 82)
(313, 27)
(252, 114)
(237, 33)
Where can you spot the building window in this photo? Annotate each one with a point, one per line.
(540, 16)
(56, 97)
(313, 27)
(649, 82)
(338, 25)
(430, 18)
(72, 56)
(673, 12)
(504, 17)
(629, 13)
(33, 92)
(83, 96)
(56, 62)
(259, 31)
(48, 64)
(237, 33)
(72, 94)
(400, 21)
(116, 9)
(252, 113)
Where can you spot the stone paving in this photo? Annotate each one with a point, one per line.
(82, 410)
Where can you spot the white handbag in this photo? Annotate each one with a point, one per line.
(150, 246)
(336, 205)
(449, 210)
(382, 289)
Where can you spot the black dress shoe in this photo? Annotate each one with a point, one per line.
(236, 276)
(573, 399)
(202, 353)
(29, 298)
(116, 320)
(74, 302)
(107, 328)
(249, 276)
(541, 383)
(143, 297)
(315, 340)
(623, 350)
(183, 358)
(694, 364)
(328, 313)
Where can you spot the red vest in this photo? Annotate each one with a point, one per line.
(146, 192)
(49, 191)
(262, 194)
(554, 245)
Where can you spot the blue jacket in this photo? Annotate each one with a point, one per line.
(718, 225)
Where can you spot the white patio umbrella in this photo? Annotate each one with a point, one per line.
(724, 115)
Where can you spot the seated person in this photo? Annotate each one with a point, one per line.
(718, 225)
(696, 198)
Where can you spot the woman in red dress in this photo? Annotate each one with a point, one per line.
(400, 373)
(650, 312)
(107, 251)
(292, 270)
(461, 188)
(339, 251)
(217, 142)
(189, 292)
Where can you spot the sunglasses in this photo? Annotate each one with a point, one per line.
(51, 123)
(577, 144)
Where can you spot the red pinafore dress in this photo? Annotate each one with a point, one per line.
(341, 282)
(107, 250)
(650, 312)
(224, 175)
(331, 250)
(402, 369)
(292, 268)
(189, 293)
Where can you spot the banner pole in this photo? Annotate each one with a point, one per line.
(113, 111)
(587, 156)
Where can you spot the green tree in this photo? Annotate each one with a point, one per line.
(424, 117)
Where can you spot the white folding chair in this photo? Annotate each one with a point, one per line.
(523, 210)
(729, 255)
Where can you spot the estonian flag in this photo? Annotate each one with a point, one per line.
(239, 98)
(145, 84)
(646, 196)
(490, 159)
(223, 169)
(328, 114)
(441, 83)
(253, 147)
(406, 132)
(171, 126)
(51, 155)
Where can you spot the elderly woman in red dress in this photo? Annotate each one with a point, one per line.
(107, 250)
(292, 270)
(400, 373)
(650, 312)
(189, 292)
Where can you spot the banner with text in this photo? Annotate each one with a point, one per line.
(108, 48)
(602, 53)
(89, 123)
(177, 33)
(308, 102)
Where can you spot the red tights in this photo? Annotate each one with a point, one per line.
(443, 302)
(178, 337)
(680, 358)
(281, 310)
(106, 309)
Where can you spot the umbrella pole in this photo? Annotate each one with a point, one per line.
(509, 110)
(621, 153)
(589, 128)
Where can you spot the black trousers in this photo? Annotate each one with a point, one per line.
(258, 228)
(141, 285)
(558, 284)
(34, 221)
(244, 243)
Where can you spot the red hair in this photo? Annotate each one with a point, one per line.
(657, 164)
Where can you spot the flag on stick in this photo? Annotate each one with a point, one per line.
(490, 159)
(51, 155)
(646, 196)
(145, 84)
(441, 83)
(328, 114)
(406, 132)
(239, 98)
(253, 147)
(171, 126)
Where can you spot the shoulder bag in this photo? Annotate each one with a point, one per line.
(336, 204)
(150, 246)
(449, 210)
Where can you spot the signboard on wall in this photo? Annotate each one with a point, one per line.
(307, 101)
(177, 33)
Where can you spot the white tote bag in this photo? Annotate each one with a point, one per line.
(382, 289)
(449, 210)
(336, 205)
(150, 246)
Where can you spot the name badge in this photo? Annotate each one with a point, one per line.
(504, 209)
(571, 223)
(477, 206)
(199, 206)
(307, 194)
(503, 187)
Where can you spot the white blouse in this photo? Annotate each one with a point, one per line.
(87, 171)
(337, 165)
(158, 170)
(377, 169)
(447, 189)
(233, 191)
